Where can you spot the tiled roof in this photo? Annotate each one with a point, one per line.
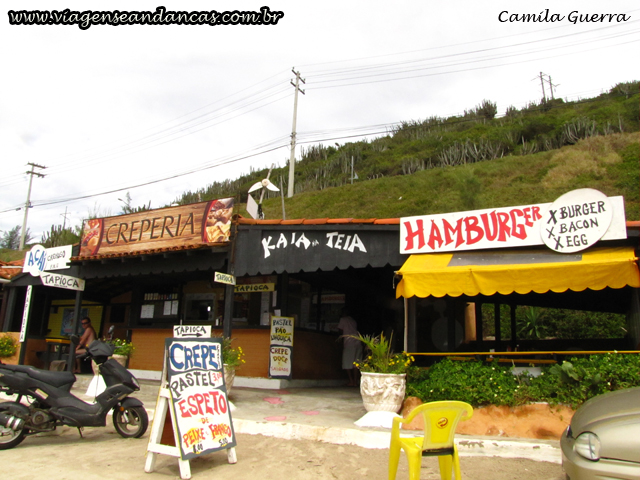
(9, 270)
(318, 221)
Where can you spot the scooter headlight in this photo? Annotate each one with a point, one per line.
(135, 382)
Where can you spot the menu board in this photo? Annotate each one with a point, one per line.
(198, 396)
(281, 347)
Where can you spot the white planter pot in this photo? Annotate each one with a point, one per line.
(382, 392)
(121, 359)
(229, 376)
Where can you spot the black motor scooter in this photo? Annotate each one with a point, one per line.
(49, 401)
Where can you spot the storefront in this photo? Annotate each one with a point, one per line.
(146, 272)
(142, 278)
(577, 253)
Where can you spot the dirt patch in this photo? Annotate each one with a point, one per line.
(101, 454)
(540, 421)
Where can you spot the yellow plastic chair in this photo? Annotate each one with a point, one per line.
(440, 421)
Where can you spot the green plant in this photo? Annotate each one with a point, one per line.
(380, 358)
(233, 357)
(122, 347)
(482, 383)
(8, 346)
(474, 382)
(532, 327)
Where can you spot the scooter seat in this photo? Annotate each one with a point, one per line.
(55, 379)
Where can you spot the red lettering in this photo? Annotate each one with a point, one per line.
(207, 407)
(503, 226)
(194, 407)
(527, 217)
(517, 230)
(535, 213)
(214, 394)
(434, 236)
(200, 400)
(474, 233)
(491, 235)
(412, 234)
(183, 412)
(449, 229)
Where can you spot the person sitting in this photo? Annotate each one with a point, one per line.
(87, 338)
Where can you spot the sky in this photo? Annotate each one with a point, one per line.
(157, 110)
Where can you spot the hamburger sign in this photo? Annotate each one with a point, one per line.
(574, 222)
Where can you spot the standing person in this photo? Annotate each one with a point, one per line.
(86, 339)
(351, 347)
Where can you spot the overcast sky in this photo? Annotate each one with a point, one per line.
(110, 108)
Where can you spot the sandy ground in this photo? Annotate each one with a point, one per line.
(102, 453)
(539, 421)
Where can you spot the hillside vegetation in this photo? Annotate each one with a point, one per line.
(440, 165)
(468, 162)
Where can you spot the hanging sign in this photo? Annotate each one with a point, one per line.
(576, 220)
(192, 331)
(62, 281)
(255, 287)
(198, 393)
(521, 226)
(38, 259)
(224, 278)
(281, 347)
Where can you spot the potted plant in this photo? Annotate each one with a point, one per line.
(8, 346)
(384, 373)
(123, 350)
(232, 358)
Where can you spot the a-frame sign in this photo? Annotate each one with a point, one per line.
(194, 393)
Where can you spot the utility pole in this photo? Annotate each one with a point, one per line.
(292, 158)
(551, 85)
(544, 96)
(64, 216)
(27, 205)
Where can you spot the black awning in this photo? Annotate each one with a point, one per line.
(267, 249)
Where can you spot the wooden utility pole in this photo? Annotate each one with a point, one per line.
(27, 205)
(292, 158)
(544, 96)
(551, 85)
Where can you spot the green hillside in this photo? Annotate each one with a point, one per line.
(467, 162)
(607, 163)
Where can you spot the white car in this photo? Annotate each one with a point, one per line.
(603, 440)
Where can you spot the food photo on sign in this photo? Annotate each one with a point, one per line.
(199, 396)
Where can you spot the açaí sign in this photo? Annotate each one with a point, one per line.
(573, 222)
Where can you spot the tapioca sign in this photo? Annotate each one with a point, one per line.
(576, 220)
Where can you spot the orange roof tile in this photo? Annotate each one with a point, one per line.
(8, 270)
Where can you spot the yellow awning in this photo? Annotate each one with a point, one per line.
(521, 271)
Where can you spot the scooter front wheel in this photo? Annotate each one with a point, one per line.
(130, 422)
(10, 438)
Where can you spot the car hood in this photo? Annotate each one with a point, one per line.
(615, 418)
